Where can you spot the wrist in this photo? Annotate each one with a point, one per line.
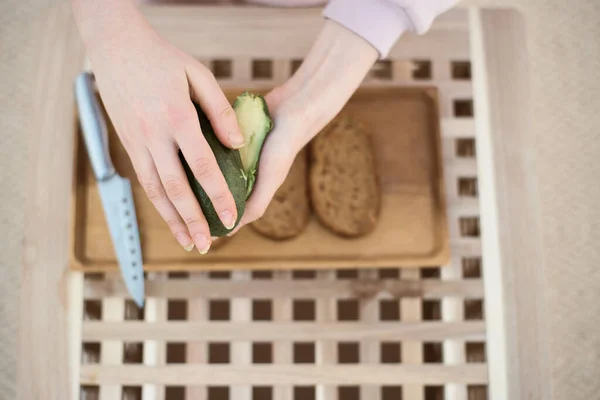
(332, 71)
(109, 25)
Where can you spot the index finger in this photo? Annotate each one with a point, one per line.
(205, 168)
(208, 94)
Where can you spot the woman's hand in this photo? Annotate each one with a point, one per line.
(277, 155)
(147, 87)
(332, 71)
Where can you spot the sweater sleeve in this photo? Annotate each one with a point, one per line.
(382, 22)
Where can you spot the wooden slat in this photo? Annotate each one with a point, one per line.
(451, 307)
(222, 31)
(281, 71)
(284, 374)
(155, 310)
(369, 348)
(241, 69)
(282, 348)
(43, 370)
(241, 352)
(325, 349)
(458, 128)
(512, 242)
(196, 349)
(451, 88)
(412, 349)
(441, 69)
(466, 246)
(184, 289)
(456, 19)
(289, 264)
(111, 350)
(453, 312)
(184, 331)
(461, 207)
(461, 167)
(402, 72)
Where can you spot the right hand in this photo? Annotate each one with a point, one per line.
(147, 87)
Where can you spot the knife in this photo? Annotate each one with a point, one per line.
(115, 191)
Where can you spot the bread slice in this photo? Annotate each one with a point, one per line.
(343, 180)
(289, 211)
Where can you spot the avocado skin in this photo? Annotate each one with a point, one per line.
(230, 164)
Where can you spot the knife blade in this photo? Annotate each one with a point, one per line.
(115, 191)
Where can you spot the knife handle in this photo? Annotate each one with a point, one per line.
(93, 127)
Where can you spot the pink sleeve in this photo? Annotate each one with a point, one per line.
(382, 22)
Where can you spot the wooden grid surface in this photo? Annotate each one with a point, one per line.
(416, 333)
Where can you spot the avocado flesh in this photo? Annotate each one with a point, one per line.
(255, 123)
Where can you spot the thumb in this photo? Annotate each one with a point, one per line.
(270, 178)
(262, 194)
(273, 168)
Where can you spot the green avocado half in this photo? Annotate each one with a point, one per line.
(239, 167)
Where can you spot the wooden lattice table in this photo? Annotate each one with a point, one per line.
(381, 334)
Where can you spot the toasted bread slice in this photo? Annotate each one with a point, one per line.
(289, 211)
(343, 180)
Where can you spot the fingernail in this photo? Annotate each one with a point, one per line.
(227, 219)
(189, 247)
(185, 241)
(236, 230)
(236, 139)
(202, 244)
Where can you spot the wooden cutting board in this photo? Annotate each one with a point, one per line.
(411, 231)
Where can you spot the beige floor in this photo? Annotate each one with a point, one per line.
(564, 43)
